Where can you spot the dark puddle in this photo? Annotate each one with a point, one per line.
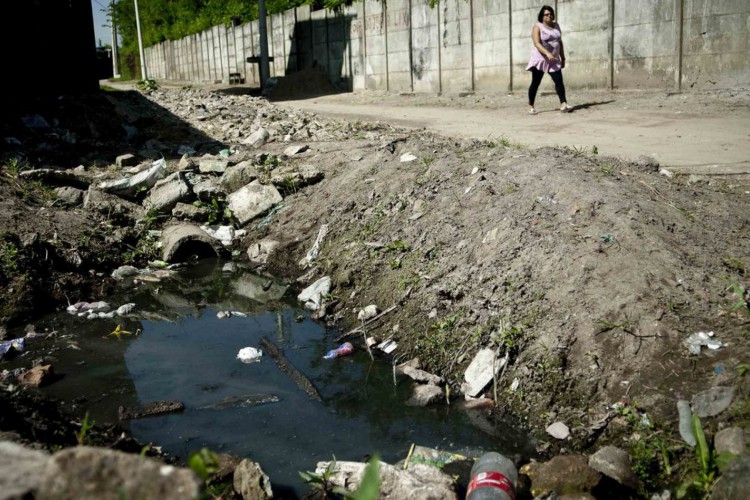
(186, 353)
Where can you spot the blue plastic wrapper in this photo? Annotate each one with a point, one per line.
(10, 346)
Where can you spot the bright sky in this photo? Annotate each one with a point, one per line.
(102, 31)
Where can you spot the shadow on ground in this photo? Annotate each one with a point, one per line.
(93, 129)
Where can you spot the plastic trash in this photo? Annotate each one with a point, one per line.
(249, 355)
(16, 345)
(686, 425)
(699, 339)
(342, 350)
(388, 346)
(493, 477)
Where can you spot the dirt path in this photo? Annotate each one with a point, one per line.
(692, 133)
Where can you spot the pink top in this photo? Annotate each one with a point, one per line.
(550, 38)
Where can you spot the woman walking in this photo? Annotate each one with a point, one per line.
(547, 56)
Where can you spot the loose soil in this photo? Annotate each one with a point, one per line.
(588, 271)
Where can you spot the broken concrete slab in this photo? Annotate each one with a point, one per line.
(252, 200)
(425, 395)
(480, 372)
(167, 192)
(128, 186)
(257, 138)
(713, 401)
(212, 165)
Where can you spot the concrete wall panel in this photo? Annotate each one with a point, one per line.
(455, 46)
(463, 44)
(425, 47)
(491, 45)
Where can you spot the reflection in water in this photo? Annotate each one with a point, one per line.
(186, 353)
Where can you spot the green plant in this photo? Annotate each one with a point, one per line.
(607, 169)
(740, 301)
(218, 211)
(13, 167)
(86, 426)
(8, 256)
(427, 160)
(204, 462)
(594, 150)
(735, 265)
(289, 184)
(322, 482)
(147, 85)
(507, 335)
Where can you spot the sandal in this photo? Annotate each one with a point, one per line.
(533, 111)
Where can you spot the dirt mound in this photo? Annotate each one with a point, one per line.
(310, 82)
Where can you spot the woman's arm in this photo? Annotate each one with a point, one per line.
(562, 54)
(536, 37)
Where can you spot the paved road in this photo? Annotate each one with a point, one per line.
(708, 137)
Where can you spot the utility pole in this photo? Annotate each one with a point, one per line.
(115, 67)
(264, 69)
(144, 74)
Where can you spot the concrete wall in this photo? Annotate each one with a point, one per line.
(483, 45)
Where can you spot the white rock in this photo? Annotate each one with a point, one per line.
(558, 430)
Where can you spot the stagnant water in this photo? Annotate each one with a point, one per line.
(185, 352)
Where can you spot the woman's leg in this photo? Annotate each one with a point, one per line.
(559, 86)
(536, 79)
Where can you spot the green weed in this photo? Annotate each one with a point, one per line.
(86, 426)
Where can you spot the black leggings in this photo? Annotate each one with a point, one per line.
(536, 79)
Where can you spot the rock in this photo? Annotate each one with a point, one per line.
(424, 395)
(407, 157)
(418, 375)
(558, 430)
(564, 475)
(259, 252)
(183, 240)
(480, 372)
(731, 440)
(69, 195)
(240, 175)
(615, 463)
(186, 163)
(419, 482)
(150, 409)
(123, 272)
(188, 211)
(209, 189)
(296, 149)
(367, 312)
(94, 473)
(126, 160)
(167, 192)
(212, 165)
(257, 138)
(648, 163)
(20, 469)
(734, 482)
(111, 205)
(250, 482)
(713, 401)
(37, 376)
(252, 200)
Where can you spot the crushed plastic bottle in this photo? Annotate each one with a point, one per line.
(493, 477)
(342, 350)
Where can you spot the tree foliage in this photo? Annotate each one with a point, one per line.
(174, 19)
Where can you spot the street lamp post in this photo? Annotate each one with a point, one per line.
(115, 62)
(144, 75)
(263, 35)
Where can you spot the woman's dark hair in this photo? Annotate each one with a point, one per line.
(545, 8)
